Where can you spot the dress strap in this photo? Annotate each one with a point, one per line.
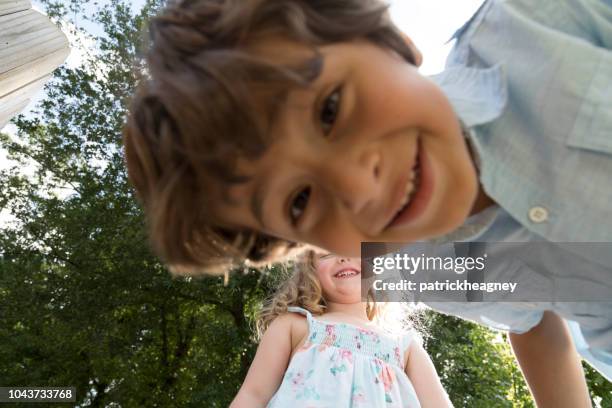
(302, 311)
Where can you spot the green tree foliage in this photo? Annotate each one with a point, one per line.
(84, 303)
(475, 364)
(599, 388)
(82, 300)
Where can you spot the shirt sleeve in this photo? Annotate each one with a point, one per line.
(512, 319)
(516, 317)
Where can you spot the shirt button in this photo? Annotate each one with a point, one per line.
(538, 214)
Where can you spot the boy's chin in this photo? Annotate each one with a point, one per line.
(451, 226)
(454, 217)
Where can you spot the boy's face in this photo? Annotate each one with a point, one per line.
(372, 151)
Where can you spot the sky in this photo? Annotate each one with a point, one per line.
(430, 24)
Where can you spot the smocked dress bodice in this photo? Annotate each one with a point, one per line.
(343, 365)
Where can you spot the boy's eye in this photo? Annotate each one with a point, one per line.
(298, 205)
(329, 110)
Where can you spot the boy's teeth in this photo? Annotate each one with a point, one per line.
(412, 186)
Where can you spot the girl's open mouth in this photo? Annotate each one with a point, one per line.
(346, 273)
(416, 198)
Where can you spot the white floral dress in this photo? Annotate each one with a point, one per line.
(342, 365)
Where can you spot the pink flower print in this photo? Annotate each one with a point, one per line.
(398, 356)
(346, 355)
(364, 331)
(374, 337)
(331, 335)
(329, 338)
(304, 346)
(388, 378)
(384, 374)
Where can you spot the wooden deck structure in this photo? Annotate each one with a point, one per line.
(31, 47)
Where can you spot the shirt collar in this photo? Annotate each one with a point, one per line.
(478, 95)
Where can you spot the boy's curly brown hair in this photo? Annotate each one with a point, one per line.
(204, 101)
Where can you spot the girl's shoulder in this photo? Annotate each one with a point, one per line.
(297, 325)
(410, 340)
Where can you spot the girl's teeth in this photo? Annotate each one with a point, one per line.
(343, 274)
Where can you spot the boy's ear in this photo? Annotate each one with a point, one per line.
(418, 57)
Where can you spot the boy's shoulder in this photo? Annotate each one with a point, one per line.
(588, 21)
(552, 133)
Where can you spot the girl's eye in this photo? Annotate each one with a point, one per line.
(329, 110)
(298, 205)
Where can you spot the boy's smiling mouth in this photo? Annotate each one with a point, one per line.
(416, 191)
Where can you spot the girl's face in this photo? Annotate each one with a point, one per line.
(372, 151)
(340, 278)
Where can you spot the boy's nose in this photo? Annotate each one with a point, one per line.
(356, 182)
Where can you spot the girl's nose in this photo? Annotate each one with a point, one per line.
(342, 260)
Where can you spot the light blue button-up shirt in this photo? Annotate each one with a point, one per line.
(533, 82)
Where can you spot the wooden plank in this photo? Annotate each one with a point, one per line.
(18, 21)
(29, 50)
(12, 6)
(32, 70)
(26, 36)
(26, 92)
(6, 115)
(31, 47)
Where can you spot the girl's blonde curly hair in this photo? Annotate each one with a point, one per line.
(302, 289)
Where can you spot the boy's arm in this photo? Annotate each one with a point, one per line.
(424, 378)
(268, 367)
(550, 364)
